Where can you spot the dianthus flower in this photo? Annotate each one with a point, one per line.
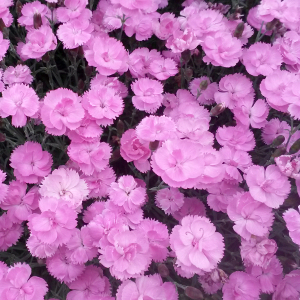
(90, 285)
(18, 74)
(255, 20)
(158, 237)
(148, 94)
(236, 137)
(5, 14)
(241, 285)
(261, 59)
(291, 96)
(289, 166)
(250, 216)
(38, 42)
(169, 200)
(288, 288)
(274, 128)
(268, 186)
(30, 163)
(19, 101)
(147, 287)
(17, 285)
(90, 157)
(71, 10)
(96, 208)
(126, 193)
(107, 54)
(103, 104)
(3, 187)
(39, 249)
(166, 25)
(136, 150)
(213, 281)
(127, 254)
(145, 6)
(234, 88)
(192, 206)
(197, 245)
(55, 224)
(292, 219)
(155, 128)
(65, 184)
(163, 68)
(203, 96)
(61, 110)
(222, 49)
(232, 25)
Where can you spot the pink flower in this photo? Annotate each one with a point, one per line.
(197, 245)
(292, 219)
(19, 101)
(292, 96)
(90, 157)
(222, 49)
(247, 32)
(107, 54)
(256, 21)
(192, 206)
(31, 164)
(236, 137)
(39, 249)
(166, 26)
(148, 94)
(72, 10)
(61, 110)
(38, 42)
(274, 128)
(203, 96)
(241, 286)
(103, 104)
(289, 166)
(250, 216)
(126, 255)
(3, 187)
(163, 68)
(18, 74)
(147, 287)
(154, 128)
(91, 284)
(127, 193)
(5, 15)
(136, 150)
(18, 285)
(66, 185)
(169, 200)
(213, 281)
(261, 59)
(268, 186)
(96, 208)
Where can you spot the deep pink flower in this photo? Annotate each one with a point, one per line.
(61, 110)
(268, 185)
(241, 286)
(19, 101)
(169, 200)
(292, 219)
(3, 187)
(274, 128)
(197, 245)
(18, 74)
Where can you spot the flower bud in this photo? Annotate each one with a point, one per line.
(2, 137)
(271, 25)
(120, 128)
(163, 270)
(46, 57)
(278, 141)
(186, 55)
(278, 152)
(115, 156)
(193, 293)
(239, 30)
(80, 84)
(218, 109)
(295, 147)
(89, 71)
(203, 85)
(188, 74)
(19, 7)
(37, 20)
(153, 145)
(2, 25)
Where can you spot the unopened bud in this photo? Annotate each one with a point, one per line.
(115, 156)
(153, 145)
(239, 30)
(39, 87)
(295, 147)
(80, 84)
(188, 74)
(120, 128)
(203, 85)
(197, 59)
(19, 7)
(271, 25)
(193, 293)
(278, 141)
(88, 71)
(163, 270)
(46, 57)
(218, 109)
(278, 152)
(37, 20)
(51, 5)
(2, 25)
(2, 137)
(186, 55)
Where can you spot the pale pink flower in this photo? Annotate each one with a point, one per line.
(96, 208)
(269, 276)
(197, 245)
(236, 137)
(71, 10)
(126, 193)
(255, 20)
(213, 281)
(5, 15)
(222, 49)
(126, 255)
(39, 249)
(1, 82)
(292, 219)
(61, 110)
(166, 25)
(268, 10)
(289, 166)
(103, 104)
(90, 285)
(31, 164)
(250, 216)
(142, 5)
(148, 94)
(268, 186)
(66, 185)
(291, 96)
(107, 54)
(19, 101)
(18, 74)
(274, 128)
(155, 128)
(247, 32)
(147, 287)
(169, 200)
(90, 157)
(112, 15)
(17, 284)
(205, 97)
(163, 68)
(241, 285)
(38, 42)
(261, 59)
(3, 187)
